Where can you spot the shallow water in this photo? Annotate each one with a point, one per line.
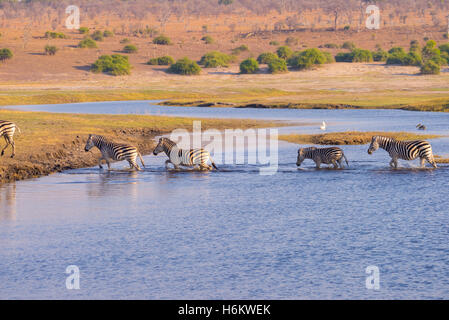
(235, 234)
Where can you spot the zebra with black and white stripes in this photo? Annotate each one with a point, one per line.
(114, 151)
(332, 155)
(7, 130)
(183, 157)
(406, 150)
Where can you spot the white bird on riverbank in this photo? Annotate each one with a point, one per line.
(323, 126)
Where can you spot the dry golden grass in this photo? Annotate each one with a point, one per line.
(440, 159)
(351, 137)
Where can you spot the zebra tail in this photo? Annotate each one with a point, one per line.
(141, 159)
(18, 129)
(346, 160)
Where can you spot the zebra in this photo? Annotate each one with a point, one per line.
(183, 157)
(332, 155)
(115, 151)
(406, 150)
(7, 129)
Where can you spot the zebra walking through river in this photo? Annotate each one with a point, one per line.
(114, 151)
(183, 157)
(7, 130)
(332, 155)
(406, 150)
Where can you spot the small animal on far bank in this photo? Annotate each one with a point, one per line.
(332, 155)
(420, 126)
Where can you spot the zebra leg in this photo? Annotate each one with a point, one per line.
(7, 144)
(166, 163)
(340, 162)
(431, 160)
(13, 148)
(335, 165)
(394, 163)
(422, 162)
(99, 162)
(318, 164)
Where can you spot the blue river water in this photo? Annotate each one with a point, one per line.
(234, 234)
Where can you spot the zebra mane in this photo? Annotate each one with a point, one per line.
(169, 142)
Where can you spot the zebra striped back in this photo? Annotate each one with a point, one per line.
(7, 128)
(184, 157)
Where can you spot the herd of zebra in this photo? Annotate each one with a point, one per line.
(406, 150)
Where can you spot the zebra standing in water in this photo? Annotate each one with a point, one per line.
(187, 158)
(7, 129)
(332, 155)
(114, 151)
(406, 150)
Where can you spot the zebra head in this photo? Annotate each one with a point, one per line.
(89, 144)
(374, 145)
(164, 143)
(302, 152)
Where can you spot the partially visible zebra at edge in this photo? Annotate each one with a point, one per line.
(406, 150)
(114, 151)
(7, 130)
(332, 155)
(183, 157)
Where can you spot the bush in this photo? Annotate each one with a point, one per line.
(306, 59)
(413, 58)
(5, 54)
(125, 40)
(396, 50)
(55, 35)
(290, 41)
(50, 50)
(185, 66)
(84, 30)
(115, 64)
(361, 55)
(346, 27)
(163, 40)
(277, 65)
(414, 46)
(284, 52)
(430, 67)
(108, 34)
(130, 48)
(348, 45)
(161, 61)
(208, 39)
(431, 52)
(274, 43)
(240, 49)
(380, 55)
(216, 59)
(97, 35)
(344, 57)
(87, 43)
(331, 45)
(328, 56)
(249, 66)
(267, 57)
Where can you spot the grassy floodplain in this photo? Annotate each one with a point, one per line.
(52, 142)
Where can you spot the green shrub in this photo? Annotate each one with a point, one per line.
(185, 66)
(84, 30)
(274, 43)
(380, 55)
(50, 50)
(87, 43)
(349, 45)
(5, 54)
(240, 49)
(346, 27)
(97, 35)
(431, 52)
(216, 59)
(284, 52)
(249, 66)
(430, 67)
(344, 57)
(396, 50)
(328, 56)
(163, 40)
(361, 55)
(130, 48)
(208, 39)
(266, 57)
(444, 58)
(108, 34)
(331, 45)
(414, 46)
(125, 40)
(55, 35)
(413, 58)
(277, 65)
(115, 64)
(306, 59)
(396, 58)
(161, 61)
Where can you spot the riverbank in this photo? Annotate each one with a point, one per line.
(51, 142)
(351, 137)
